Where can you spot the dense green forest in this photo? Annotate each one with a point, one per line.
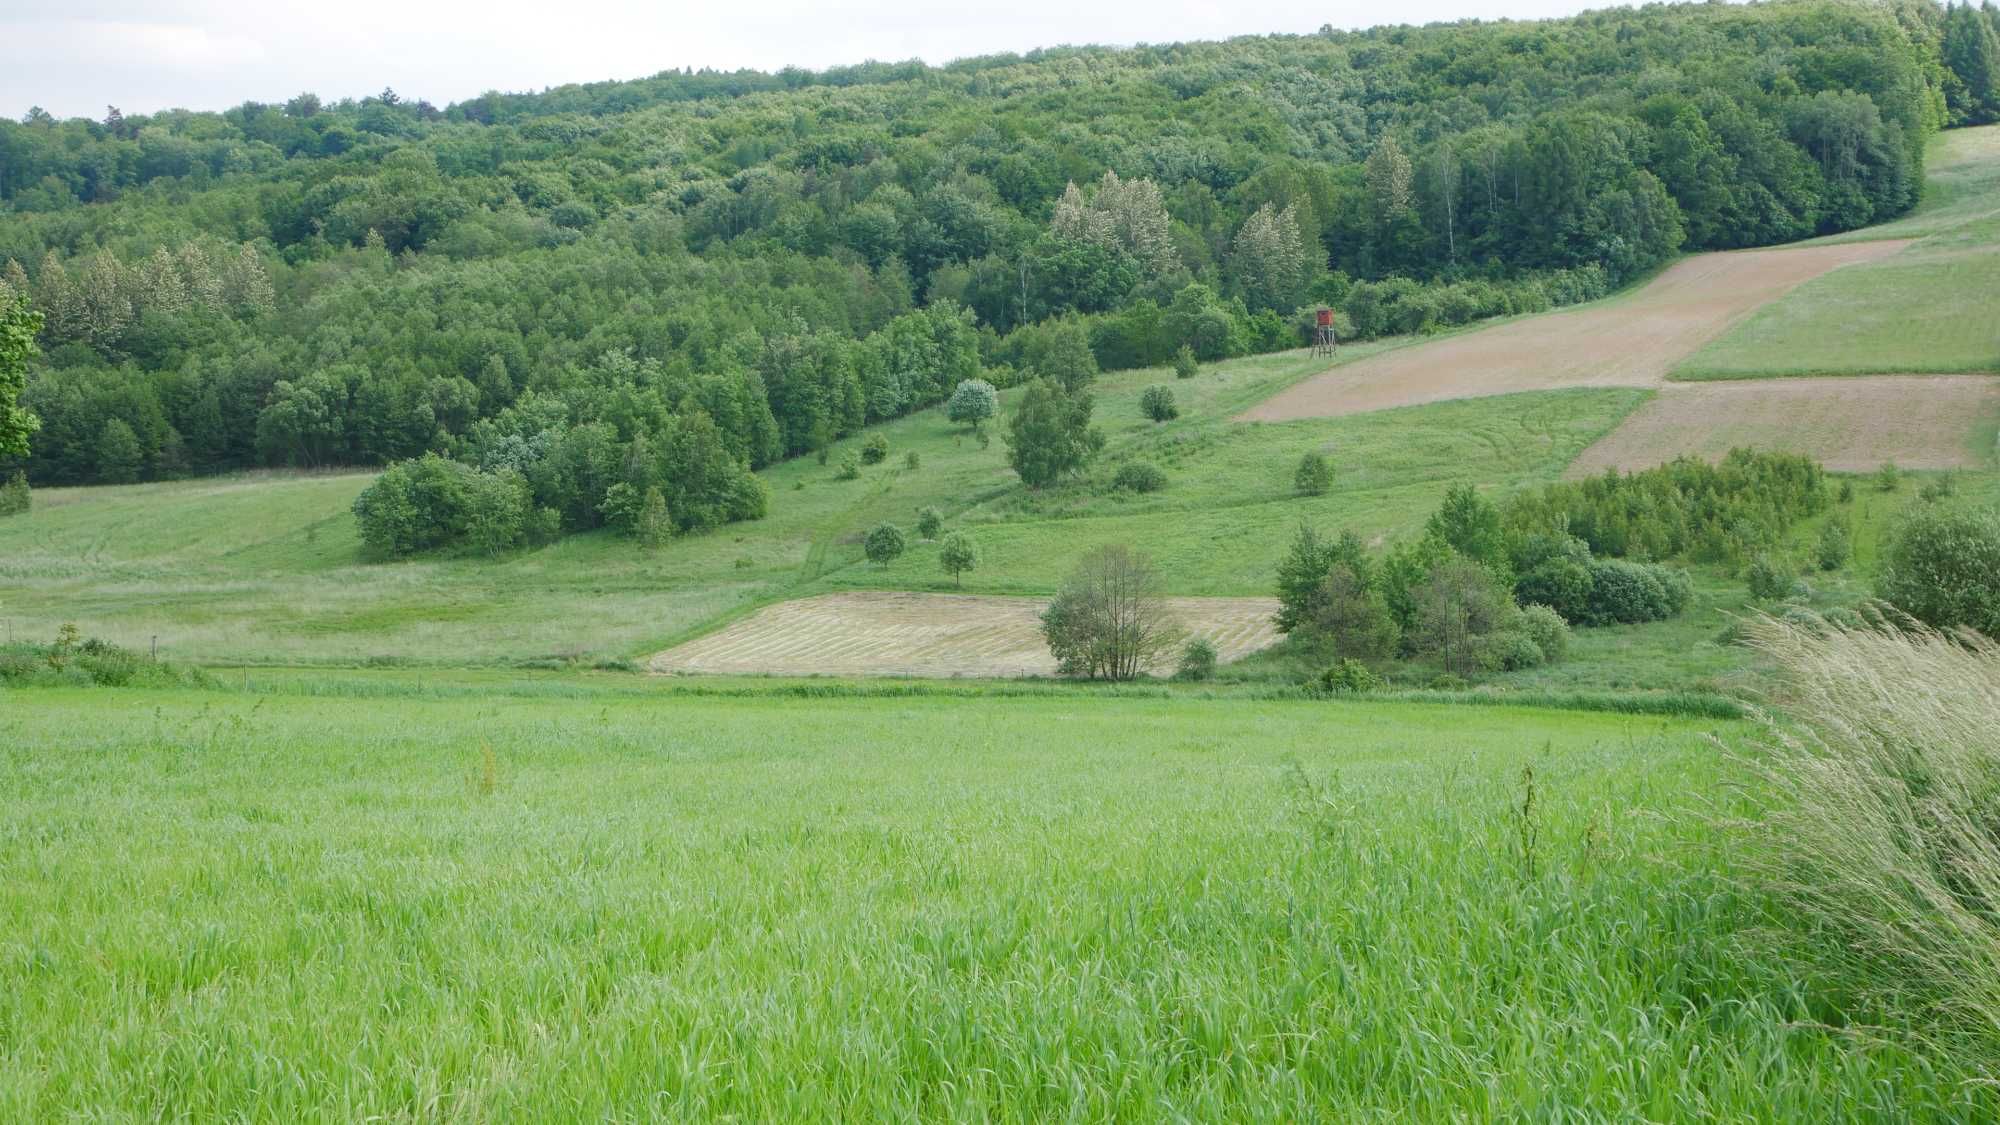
(664, 282)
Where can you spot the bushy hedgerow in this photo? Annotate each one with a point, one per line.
(1401, 306)
(74, 661)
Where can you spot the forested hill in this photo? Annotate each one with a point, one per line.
(747, 266)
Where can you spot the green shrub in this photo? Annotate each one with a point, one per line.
(1185, 364)
(850, 467)
(1197, 661)
(1347, 677)
(1942, 567)
(15, 495)
(1548, 630)
(1457, 608)
(1510, 651)
(1846, 494)
(655, 524)
(621, 506)
(1563, 584)
(1314, 476)
(1049, 434)
(930, 521)
(109, 665)
(20, 665)
(1157, 401)
(884, 543)
(1627, 593)
(1139, 476)
(1888, 477)
(1835, 545)
(1941, 488)
(1770, 579)
(875, 450)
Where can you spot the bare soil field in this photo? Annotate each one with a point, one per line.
(891, 633)
(1629, 341)
(1846, 423)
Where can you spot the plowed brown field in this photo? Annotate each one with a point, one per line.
(1632, 341)
(1852, 424)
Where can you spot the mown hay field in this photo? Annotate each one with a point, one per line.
(888, 633)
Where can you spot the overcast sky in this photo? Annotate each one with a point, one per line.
(74, 57)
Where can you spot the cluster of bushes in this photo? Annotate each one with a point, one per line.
(1474, 593)
(1557, 570)
(434, 502)
(1722, 513)
(536, 471)
(74, 660)
(1345, 608)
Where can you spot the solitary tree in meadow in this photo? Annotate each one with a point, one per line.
(1109, 621)
(958, 554)
(1050, 435)
(1314, 476)
(972, 403)
(883, 544)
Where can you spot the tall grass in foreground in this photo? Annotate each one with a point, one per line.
(1882, 840)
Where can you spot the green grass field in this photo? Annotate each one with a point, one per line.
(279, 906)
(1930, 309)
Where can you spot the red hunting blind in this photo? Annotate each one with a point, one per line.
(1324, 337)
